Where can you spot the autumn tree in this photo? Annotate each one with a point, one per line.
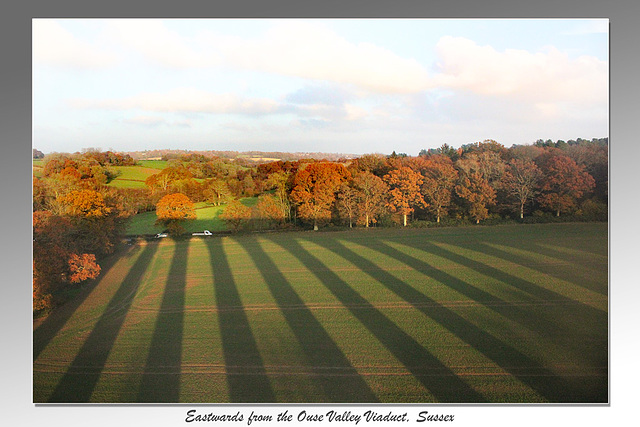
(279, 182)
(405, 193)
(521, 181)
(57, 261)
(236, 214)
(162, 180)
(488, 164)
(85, 204)
(595, 160)
(371, 194)
(477, 192)
(377, 164)
(217, 192)
(82, 267)
(564, 183)
(173, 210)
(270, 209)
(97, 223)
(439, 180)
(347, 202)
(314, 190)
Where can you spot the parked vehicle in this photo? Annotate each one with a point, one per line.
(204, 233)
(160, 235)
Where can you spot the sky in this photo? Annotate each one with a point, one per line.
(352, 86)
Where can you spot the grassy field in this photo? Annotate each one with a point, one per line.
(132, 176)
(128, 176)
(475, 314)
(207, 218)
(153, 164)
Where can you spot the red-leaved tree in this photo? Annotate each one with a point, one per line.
(314, 190)
(564, 183)
(439, 180)
(405, 194)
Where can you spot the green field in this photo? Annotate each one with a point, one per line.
(131, 176)
(153, 164)
(473, 314)
(207, 218)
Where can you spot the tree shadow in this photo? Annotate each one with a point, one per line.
(444, 384)
(522, 366)
(83, 374)
(50, 326)
(540, 315)
(569, 273)
(575, 326)
(246, 375)
(320, 350)
(161, 379)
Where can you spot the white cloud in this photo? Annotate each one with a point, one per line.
(145, 120)
(54, 45)
(156, 42)
(355, 113)
(309, 51)
(182, 100)
(546, 77)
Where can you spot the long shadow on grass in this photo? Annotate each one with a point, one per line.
(576, 326)
(246, 375)
(540, 317)
(321, 351)
(79, 381)
(426, 368)
(577, 266)
(48, 329)
(525, 368)
(161, 380)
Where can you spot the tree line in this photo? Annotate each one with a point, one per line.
(78, 218)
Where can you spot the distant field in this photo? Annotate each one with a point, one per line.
(132, 176)
(474, 314)
(154, 164)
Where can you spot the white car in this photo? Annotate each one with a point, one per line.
(204, 233)
(160, 235)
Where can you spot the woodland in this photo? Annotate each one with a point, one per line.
(79, 215)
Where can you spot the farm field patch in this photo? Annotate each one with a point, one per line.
(132, 176)
(207, 218)
(458, 315)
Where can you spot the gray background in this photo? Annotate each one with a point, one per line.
(15, 184)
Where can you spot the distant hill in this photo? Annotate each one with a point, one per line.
(254, 156)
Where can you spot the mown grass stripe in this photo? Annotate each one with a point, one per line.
(399, 343)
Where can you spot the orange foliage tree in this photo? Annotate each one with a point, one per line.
(168, 176)
(96, 222)
(347, 202)
(85, 204)
(565, 182)
(236, 214)
(371, 194)
(475, 189)
(82, 267)
(405, 191)
(439, 180)
(56, 261)
(173, 210)
(314, 190)
(270, 209)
